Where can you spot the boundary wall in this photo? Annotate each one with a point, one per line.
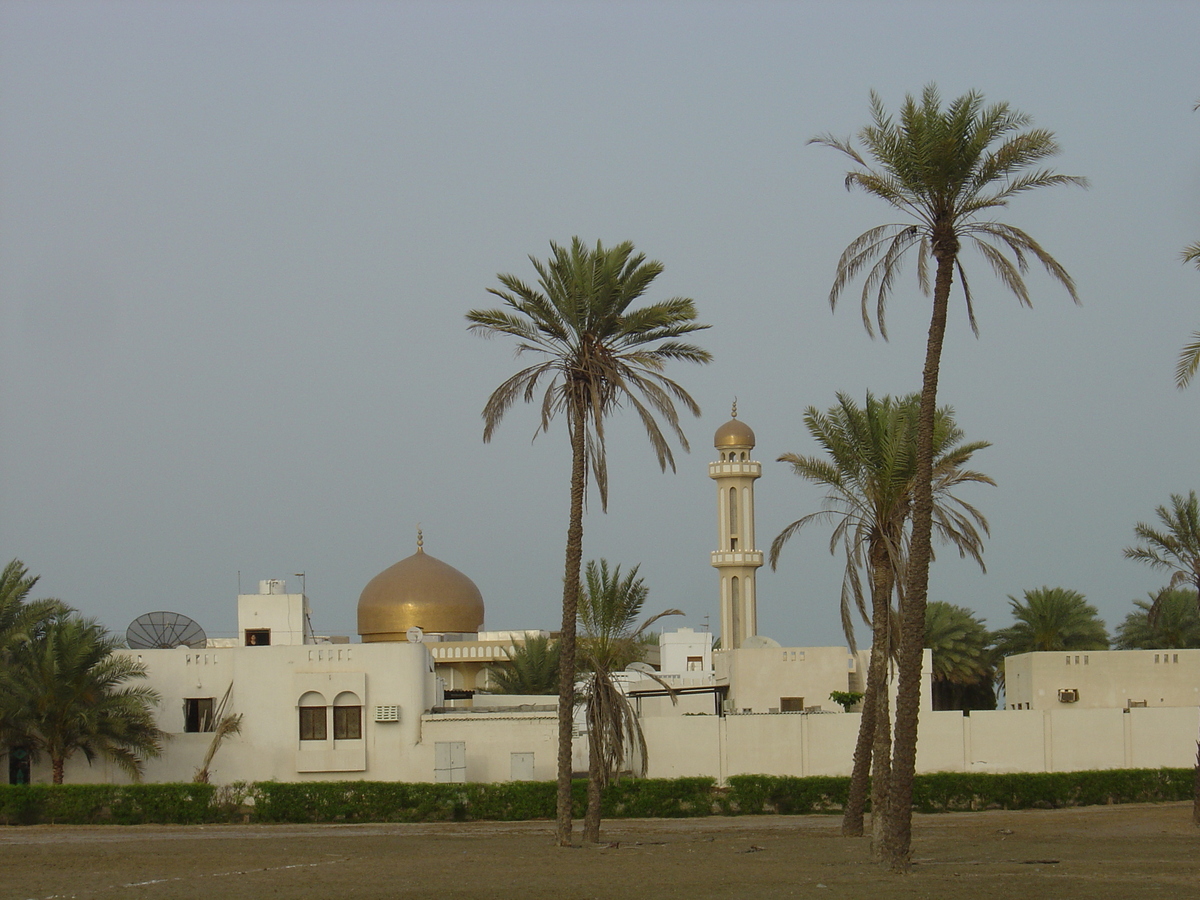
(1061, 740)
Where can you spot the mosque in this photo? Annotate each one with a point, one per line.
(410, 701)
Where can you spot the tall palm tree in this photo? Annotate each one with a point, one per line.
(963, 665)
(595, 353)
(531, 668)
(1175, 623)
(75, 695)
(1176, 548)
(868, 471)
(948, 171)
(608, 611)
(1189, 356)
(1052, 619)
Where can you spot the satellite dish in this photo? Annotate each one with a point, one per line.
(164, 630)
(641, 667)
(415, 635)
(759, 642)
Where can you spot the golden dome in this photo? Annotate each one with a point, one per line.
(421, 591)
(734, 433)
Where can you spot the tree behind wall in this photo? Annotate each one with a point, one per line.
(1169, 619)
(531, 668)
(964, 667)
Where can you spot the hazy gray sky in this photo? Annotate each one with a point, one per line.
(237, 241)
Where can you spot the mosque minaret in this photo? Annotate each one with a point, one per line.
(736, 560)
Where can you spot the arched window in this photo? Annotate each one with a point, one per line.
(733, 519)
(347, 717)
(735, 610)
(313, 725)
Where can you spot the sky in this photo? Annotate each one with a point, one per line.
(238, 240)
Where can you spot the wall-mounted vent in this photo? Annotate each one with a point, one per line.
(1068, 695)
(387, 714)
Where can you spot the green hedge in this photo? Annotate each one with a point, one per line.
(952, 791)
(784, 795)
(90, 804)
(376, 801)
(373, 801)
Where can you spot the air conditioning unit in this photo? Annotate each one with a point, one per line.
(387, 714)
(1068, 695)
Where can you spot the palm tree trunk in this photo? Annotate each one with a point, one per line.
(881, 769)
(56, 769)
(883, 583)
(852, 816)
(591, 820)
(566, 659)
(898, 827)
(881, 594)
(1196, 773)
(1196, 789)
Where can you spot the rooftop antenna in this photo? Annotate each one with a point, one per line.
(706, 621)
(164, 630)
(303, 583)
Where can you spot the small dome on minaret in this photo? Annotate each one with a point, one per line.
(734, 433)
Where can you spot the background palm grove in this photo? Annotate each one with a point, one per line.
(237, 242)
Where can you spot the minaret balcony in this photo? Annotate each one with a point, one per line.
(737, 558)
(725, 469)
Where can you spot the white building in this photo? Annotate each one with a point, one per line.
(406, 704)
(1102, 679)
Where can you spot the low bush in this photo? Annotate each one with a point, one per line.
(784, 795)
(374, 801)
(94, 804)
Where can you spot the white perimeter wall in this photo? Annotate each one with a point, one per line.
(986, 741)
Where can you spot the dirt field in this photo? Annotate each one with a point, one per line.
(1095, 852)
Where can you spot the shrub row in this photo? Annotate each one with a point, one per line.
(373, 801)
(91, 804)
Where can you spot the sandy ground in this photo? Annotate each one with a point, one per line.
(1094, 852)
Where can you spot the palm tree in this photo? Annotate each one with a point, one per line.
(1175, 623)
(595, 354)
(963, 666)
(1189, 356)
(226, 726)
(1175, 548)
(947, 171)
(531, 668)
(868, 471)
(22, 619)
(608, 611)
(1052, 619)
(74, 693)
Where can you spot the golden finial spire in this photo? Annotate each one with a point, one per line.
(735, 407)
(420, 539)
